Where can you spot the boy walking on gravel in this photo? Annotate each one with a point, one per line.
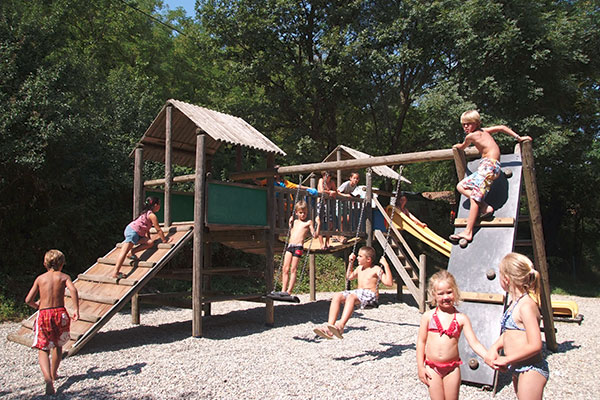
(51, 327)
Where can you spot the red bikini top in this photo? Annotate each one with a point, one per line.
(435, 325)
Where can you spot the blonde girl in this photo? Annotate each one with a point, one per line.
(438, 360)
(520, 337)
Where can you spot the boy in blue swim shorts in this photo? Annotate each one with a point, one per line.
(477, 185)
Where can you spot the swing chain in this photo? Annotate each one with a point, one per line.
(393, 203)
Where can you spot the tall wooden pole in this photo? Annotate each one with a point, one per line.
(539, 247)
(270, 241)
(138, 194)
(199, 214)
(168, 166)
(460, 161)
(423, 282)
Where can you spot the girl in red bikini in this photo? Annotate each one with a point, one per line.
(437, 344)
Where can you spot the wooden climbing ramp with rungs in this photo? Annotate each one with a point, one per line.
(101, 296)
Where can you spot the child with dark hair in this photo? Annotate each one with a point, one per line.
(137, 233)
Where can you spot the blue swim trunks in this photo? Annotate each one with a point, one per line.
(539, 367)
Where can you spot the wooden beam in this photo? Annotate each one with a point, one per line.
(94, 298)
(359, 163)
(270, 241)
(495, 298)
(140, 264)
(422, 282)
(537, 235)
(168, 167)
(198, 245)
(106, 279)
(460, 162)
(138, 186)
(504, 221)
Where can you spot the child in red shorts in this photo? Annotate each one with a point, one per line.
(51, 327)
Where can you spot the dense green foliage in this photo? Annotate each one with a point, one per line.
(81, 81)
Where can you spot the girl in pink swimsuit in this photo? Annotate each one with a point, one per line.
(437, 343)
(137, 233)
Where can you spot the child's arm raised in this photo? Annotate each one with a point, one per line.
(31, 295)
(505, 129)
(350, 273)
(529, 315)
(471, 337)
(421, 342)
(387, 279)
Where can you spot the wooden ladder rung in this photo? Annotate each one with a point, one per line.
(173, 229)
(85, 316)
(94, 298)
(495, 298)
(75, 335)
(157, 245)
(524, 243)
(112, 261)
(504, 221)
(107, 279)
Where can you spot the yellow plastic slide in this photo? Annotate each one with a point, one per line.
(426, 235)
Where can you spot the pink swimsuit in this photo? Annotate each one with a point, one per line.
(453, 331)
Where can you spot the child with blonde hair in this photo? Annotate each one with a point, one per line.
(299, 228)
(520, 336)
(438, 359)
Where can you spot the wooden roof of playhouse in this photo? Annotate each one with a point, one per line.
(185, 119)
(350, 154)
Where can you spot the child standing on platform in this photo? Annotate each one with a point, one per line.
(478, 184)
(138, 233)
(51, 327)
(521, 336)
(299, 228)
(438, 359)
(368, 277)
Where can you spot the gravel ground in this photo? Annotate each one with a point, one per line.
(239, 357)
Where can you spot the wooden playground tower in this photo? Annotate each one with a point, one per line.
(189, 135)
(205, 148)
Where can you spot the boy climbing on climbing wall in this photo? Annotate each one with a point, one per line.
(477, 185)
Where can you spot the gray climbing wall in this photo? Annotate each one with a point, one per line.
(470, 266)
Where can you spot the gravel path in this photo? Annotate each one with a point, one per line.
(241, 358)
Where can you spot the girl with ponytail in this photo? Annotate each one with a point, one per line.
(138, 233)
(520, 330)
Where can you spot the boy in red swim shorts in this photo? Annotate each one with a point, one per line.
(51, 327)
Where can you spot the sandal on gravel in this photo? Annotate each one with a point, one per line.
(322, 333)
(336, 332)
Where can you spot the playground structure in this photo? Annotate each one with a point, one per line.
(253, 218)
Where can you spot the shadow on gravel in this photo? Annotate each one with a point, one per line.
(392, 350)
(225, 326)
(95, 374)
(565, 346)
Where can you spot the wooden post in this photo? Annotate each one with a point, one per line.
(199, 215)
(207, 308)
(399, 290)
(539, 248)
(270, 242)
(238, 158)
(168, 167)
(138, 194)
(369, 210)
(338, 157)
(460, 161)
(423, 282)
(312, 270)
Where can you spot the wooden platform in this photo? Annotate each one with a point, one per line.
(101, 296)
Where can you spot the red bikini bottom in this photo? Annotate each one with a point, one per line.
(443, 368)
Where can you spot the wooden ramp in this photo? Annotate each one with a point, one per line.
(101, 296)
(476, 266)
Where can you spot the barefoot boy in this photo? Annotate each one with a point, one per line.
(476, 185)
(51, 327)
(368, 277)
(299, 228)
